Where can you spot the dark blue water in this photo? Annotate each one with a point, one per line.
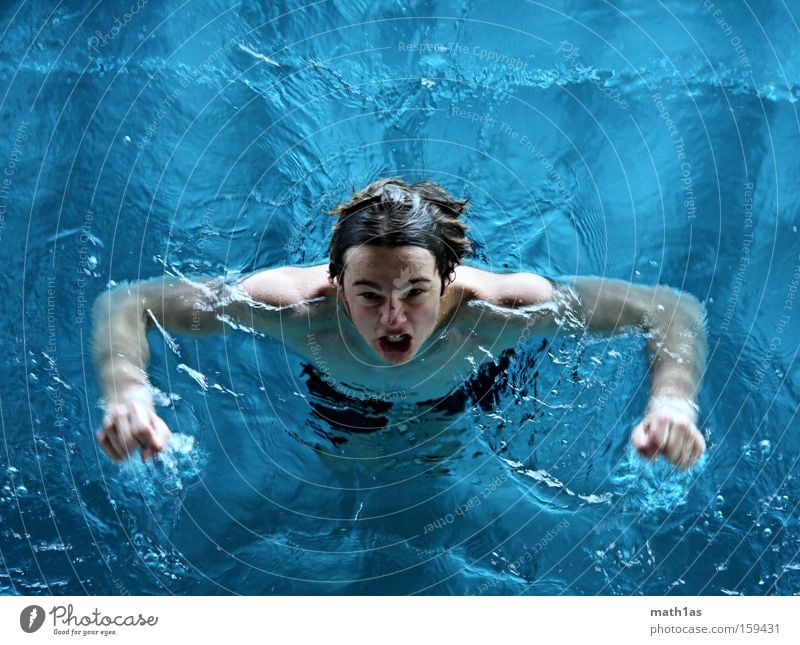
(653, 142)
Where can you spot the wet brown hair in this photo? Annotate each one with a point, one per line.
(390, 212)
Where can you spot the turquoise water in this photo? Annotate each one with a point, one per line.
(655, 144)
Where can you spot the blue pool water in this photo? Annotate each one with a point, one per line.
(652, 142)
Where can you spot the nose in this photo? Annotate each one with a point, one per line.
(392, 314)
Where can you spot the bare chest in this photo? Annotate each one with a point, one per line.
(446, 362)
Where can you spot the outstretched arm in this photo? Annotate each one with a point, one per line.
(123, 315)
(674, 324)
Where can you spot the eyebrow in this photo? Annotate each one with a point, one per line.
(375, 285)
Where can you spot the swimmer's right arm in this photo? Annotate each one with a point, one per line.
(120, 354)
(123, 315)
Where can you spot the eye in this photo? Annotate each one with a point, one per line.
(369, 295)
(415, 292)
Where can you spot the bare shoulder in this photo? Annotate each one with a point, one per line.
(301, 304)
(511, 290)
(289, 285)
(500, 310)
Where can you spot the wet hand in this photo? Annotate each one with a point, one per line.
(669, 428)
(130, 425)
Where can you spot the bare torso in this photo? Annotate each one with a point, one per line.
(470, 333)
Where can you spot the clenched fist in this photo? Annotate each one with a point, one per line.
(130, 425)
(669, 428)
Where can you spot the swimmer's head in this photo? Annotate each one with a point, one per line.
(393, 254)
(391, 213)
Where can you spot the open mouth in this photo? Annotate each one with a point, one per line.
(399, 344)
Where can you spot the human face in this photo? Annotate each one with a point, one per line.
(393, 298)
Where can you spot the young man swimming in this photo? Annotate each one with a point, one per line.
(395, 310)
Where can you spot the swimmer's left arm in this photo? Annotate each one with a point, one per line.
(674, 323)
